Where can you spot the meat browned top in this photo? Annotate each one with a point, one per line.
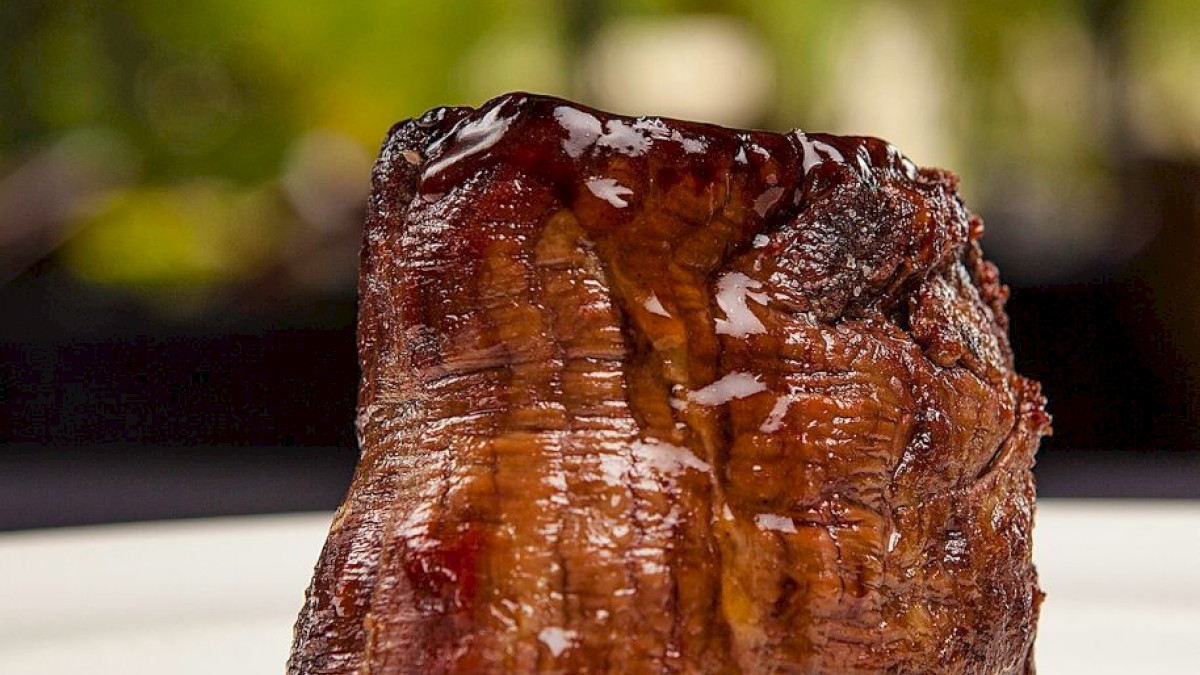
(649, 396)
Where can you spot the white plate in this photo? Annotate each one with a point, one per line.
(220, 596)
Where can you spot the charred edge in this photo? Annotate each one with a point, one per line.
(393, 183)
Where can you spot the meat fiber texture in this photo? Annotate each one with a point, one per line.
(650, 396)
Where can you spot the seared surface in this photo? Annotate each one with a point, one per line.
(647, 396)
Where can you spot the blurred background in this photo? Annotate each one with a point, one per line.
(182, 189)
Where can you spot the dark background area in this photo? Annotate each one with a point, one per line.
(181, 198)
(153, 421)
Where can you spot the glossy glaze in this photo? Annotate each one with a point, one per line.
(649, 396)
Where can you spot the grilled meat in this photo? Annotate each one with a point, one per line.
(649, 396)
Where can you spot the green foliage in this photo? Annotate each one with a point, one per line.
(199, 233)
(216, 92)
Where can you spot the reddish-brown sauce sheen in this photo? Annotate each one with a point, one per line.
(649, 396)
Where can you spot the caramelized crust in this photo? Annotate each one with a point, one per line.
(649, 396)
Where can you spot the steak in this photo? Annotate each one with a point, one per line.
(649, 396)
